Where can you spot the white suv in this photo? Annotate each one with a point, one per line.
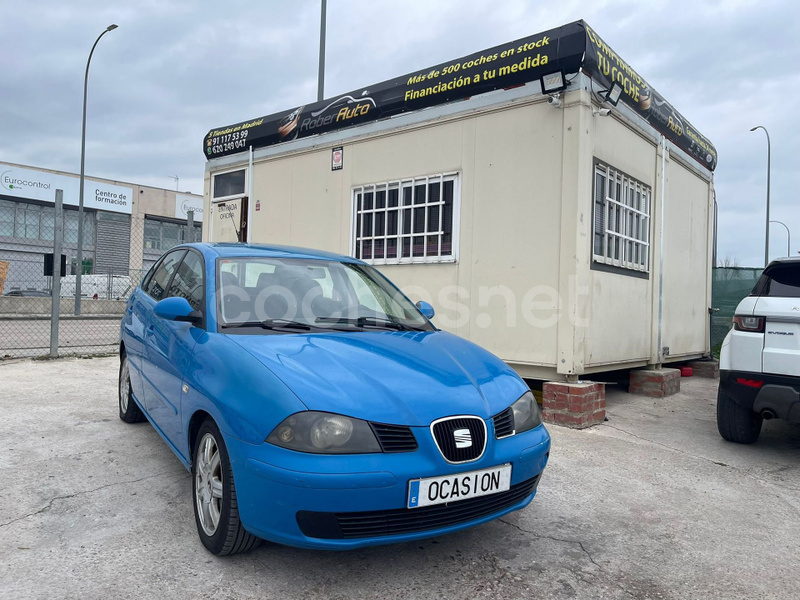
(760, 360)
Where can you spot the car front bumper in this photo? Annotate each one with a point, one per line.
(759, 392)
(350, 501)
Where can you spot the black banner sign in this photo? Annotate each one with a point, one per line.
(606, 67)
(508, 65)
(566, 49)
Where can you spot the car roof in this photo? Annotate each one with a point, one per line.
(234, 249)
(786, 260)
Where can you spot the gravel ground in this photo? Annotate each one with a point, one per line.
(651, 504)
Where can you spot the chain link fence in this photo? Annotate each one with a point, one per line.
(117, 252)
(729, 286)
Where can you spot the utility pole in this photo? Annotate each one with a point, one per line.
(766, 242)
(321, 75)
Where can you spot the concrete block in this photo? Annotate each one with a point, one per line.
(655, 383)
(705, 368)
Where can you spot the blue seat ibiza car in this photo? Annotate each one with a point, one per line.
(316, 406)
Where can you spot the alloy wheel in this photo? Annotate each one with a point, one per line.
(124, 387)
(208, 484)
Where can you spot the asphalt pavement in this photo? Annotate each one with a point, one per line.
(651, 504)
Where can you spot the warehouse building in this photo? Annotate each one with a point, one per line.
(126, 226)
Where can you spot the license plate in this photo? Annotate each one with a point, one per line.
(459, 486)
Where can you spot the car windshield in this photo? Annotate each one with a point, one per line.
(289, 295)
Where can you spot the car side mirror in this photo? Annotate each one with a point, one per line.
(177, 309)
(426, 309)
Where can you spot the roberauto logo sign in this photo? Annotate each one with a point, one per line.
(341, 110)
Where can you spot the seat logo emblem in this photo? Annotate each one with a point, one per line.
(463, 438)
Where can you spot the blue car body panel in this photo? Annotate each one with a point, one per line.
(250, 383)
(403, 377)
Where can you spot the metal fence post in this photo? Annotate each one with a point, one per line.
(55, 289)
(190, 225)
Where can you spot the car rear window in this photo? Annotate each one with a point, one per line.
(779, 281)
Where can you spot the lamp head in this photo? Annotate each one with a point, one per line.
(112, 27)
(756, 127)
(554, 82)
(612, 95)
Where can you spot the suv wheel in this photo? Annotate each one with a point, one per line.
(737, 423)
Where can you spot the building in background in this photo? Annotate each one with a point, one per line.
(126, 226)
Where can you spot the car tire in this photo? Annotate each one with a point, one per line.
(129, 411)
(735, 422)
(216, 510)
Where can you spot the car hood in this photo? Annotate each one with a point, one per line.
(408, 378)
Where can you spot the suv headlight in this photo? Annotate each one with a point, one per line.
(324, 433)
(527, 413)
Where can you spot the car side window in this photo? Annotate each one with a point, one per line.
(158, 283)
(188, 281)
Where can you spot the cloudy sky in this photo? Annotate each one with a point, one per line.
(176, 68)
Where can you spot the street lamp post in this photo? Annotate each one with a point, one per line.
(111, 27)
(788, 237)
(766, 243)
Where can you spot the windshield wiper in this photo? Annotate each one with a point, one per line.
(284, 323)
(366, 322)
(272, 324)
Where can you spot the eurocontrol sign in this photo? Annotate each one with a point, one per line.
(571, 49)
(19, 182)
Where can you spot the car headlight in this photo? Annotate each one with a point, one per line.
(324, 433)
(527, 413)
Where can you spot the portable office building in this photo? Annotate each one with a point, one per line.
(548, 202)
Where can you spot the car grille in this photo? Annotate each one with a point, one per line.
(410, 520)
(504, 423)
(394, 438)
(445, 430)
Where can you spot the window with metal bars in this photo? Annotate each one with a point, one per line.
(621, 220)
(406, 221)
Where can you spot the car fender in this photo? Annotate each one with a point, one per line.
(244, 397)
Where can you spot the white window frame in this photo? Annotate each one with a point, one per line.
(399, 184)
(215, 199)
(635, 222)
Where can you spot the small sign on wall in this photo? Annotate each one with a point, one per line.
(337, 158)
